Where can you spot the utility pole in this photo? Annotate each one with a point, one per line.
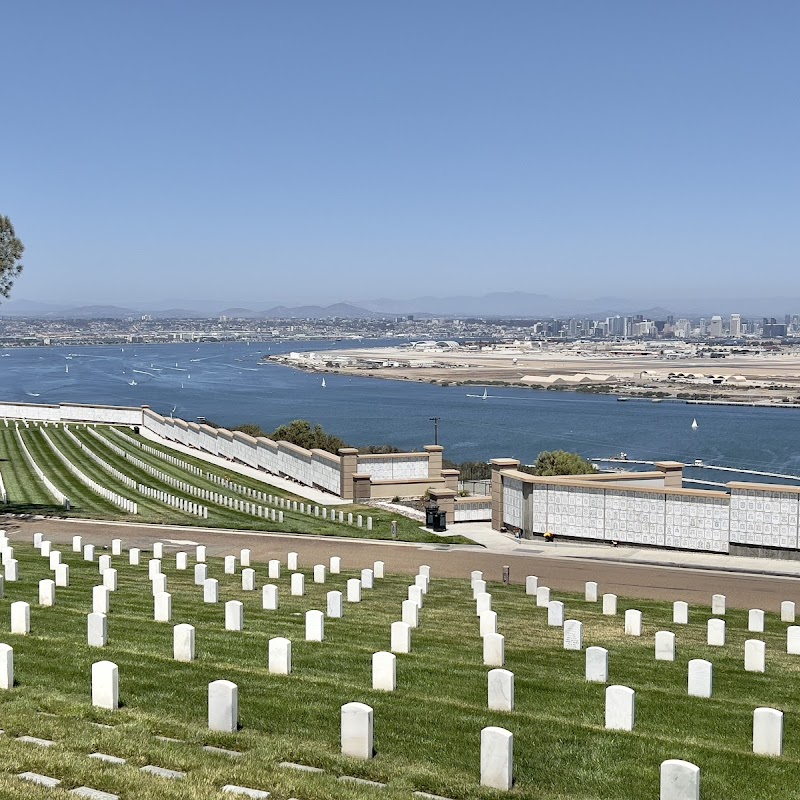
(435, 421)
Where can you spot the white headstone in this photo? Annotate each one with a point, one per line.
(244, 558)
(200, 574)
(755, 620)
(292, 562)
(483, 602)
(77, 544)
(590, 592)
(116, 547)
(423, 581)
(494, 650)
(680, 613)
(400, 637)
(181, 560)
(298, 584)
(488, 622)
(162, 607)
(610, 605)
(701, 678)
(787, 611)
(6, 666)
(543, 596)
(531, 584)
(230, 565)
(183, 642)
(223, 706)
(379, 569)
(97, 629)
(47, 593)
(88, 552)
(384, 671)
(134, 556)
(110, 579)
(620, 708)
(718, 605)
(45, 547)
(665, 646)
(680, 780)
(210, 590)
(100, 600)
(159, 583)
(497, 758)
(793, 640)
(269, 597)
(336, 565)
(573, 635)
(367, 581)
(248, 579)
(105, 685)
(200, 554)
(755, 655)
(555, 613)
(597, 664)
(410, 614)
(416, 594)
(353, 590)
(280, 656)
(716, 633)
(62, 575)
(315, 626)
(335, 606)
(234, 615)
(356, 724)
(11, 570)
(475, 575)
(633, 622)
(274, 569)
(153, 568)
(158, 550)
(55, 558)
(478, 587)
(319, 573)
(501, 690)
(103, 563)
(768, 732)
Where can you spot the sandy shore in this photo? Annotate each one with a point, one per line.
(748, 378)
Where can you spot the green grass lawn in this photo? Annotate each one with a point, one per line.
(427, 733)
(27, 494)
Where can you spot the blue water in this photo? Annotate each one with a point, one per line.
(225, 383)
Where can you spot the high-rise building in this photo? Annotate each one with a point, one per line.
(715, 329)
(736, 325)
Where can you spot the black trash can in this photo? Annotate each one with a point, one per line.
(430, 515)
(439, 521)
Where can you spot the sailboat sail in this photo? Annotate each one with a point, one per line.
(694, 425)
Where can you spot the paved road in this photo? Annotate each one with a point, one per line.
(565, 574)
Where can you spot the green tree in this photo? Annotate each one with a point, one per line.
(301, 433)
(560, 462)
(251, 430)
(11, 250)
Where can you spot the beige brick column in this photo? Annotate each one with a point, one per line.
(498, 465)
(362, 487)
(435, 456)
(673, 473)
(348, 468)
(451, 478)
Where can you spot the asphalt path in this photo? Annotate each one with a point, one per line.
(694, 585)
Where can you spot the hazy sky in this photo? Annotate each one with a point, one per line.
(319, 151)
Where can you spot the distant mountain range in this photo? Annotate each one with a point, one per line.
(494, 304)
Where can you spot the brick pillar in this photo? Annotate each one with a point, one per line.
(445, 499)
(673, 473)
(362, 487)
(435, 456)
(451, 478)
(498, 465)
(348, 468)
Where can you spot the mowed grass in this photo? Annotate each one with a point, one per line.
(27, 494)
(427, 733)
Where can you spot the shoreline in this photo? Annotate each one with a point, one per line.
(756, 399)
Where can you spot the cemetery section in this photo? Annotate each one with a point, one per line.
(315, 690)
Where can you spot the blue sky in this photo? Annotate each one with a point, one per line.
(298, 151)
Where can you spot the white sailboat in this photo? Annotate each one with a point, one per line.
(484, 396)
(66, 368)
(132, 383)
(323, 383)
(695, 426)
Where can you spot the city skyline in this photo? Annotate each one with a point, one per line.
(320, 152)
